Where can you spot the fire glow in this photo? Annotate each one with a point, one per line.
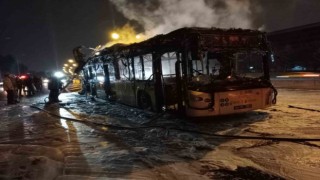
(125, 35)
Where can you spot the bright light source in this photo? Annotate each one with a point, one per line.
(272, 58)
(97, 53)
(100, 78)
(75, 65)
(115, 36)
(138, 36)
(70, 60)
(66, 65)
(64, 81)
(23, 77)
(58, 74)
(311, 75)
(282, 76)
(45, 80)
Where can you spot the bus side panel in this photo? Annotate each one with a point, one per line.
(124, 92)
(148, 88)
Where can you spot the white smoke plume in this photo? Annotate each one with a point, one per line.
(163, 16)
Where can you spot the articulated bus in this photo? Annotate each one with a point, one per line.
(196, 71)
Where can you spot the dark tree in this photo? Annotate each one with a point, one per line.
(9, 64)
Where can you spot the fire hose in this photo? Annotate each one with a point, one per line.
(288, 139)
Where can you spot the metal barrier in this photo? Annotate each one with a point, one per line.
(297, 83)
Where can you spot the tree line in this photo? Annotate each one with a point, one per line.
(10, 64)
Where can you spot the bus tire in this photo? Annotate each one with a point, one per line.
(144, 100)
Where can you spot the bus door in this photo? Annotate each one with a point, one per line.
(169, 74)
(144, 81)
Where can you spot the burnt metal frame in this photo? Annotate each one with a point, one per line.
(182, 41)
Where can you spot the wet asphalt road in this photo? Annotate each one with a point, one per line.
(37, 145)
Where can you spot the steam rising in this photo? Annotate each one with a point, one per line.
(163, 16)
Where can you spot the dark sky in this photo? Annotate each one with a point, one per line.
(42, 33)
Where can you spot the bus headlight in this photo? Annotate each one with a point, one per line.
(196, 98)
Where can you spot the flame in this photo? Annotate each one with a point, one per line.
(124, 35)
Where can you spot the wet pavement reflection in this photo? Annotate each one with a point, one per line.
(88, 147)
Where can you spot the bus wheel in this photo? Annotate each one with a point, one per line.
(144, 101)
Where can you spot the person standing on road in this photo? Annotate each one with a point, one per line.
(37, 83)
(30, 85)
(8, 87)
(54, 86)
(19, 86)
(15, 88)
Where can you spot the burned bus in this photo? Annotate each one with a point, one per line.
(195, 71)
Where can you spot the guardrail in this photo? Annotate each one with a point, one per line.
(297, 83)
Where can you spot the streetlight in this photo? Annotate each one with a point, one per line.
(115, 36)
(58, 74)
(68, 67)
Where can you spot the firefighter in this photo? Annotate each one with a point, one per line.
(54, 86)
(19, 86)
(8, 87)
(30, 85)
(15, 88)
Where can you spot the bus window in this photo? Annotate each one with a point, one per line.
(147, 61)
(249, 64)
(131, 72)
(138, 68)
(212, 63)
(197, 65)
(237, 64)
(168, 61)
(112, 74)
(124, 68)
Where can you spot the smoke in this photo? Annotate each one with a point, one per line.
(163, 16)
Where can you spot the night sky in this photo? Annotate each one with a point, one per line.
(42, 33)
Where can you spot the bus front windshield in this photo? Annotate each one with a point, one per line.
(229, 65)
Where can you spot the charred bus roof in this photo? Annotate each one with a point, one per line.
(194, 38)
